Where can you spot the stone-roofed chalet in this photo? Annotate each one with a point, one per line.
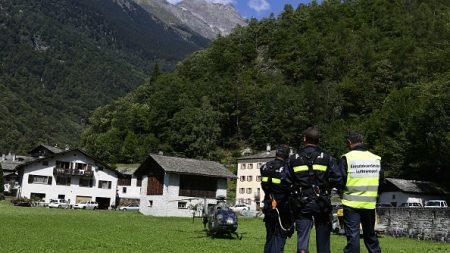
(128, 185)
(397, 191)
(171, 184)
(43, 150)
(9, 164)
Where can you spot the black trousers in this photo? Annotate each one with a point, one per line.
(275, 240)
(353, 217)
(304, 224)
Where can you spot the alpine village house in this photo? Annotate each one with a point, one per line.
(173, 186)
(163, 185)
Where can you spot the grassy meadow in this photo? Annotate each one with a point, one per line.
(26, 229)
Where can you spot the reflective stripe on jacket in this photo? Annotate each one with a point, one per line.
(363, 175)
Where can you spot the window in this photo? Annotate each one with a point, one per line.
(393, 196)
(124, 180)
(259, 165)
(150, 203)
(241, 190)
(250, 166)
(61, 196)
(84, 182)
(64, 165)
(104, 184)
(124, 190)
(248, 201)
(35, 179)
(45, 163)
(258, 178)
(249, 190)
(63, 180)
(139, 181)
(243, 166)
(242, 178)
(249, 178)
(80, 166)
(182, 205)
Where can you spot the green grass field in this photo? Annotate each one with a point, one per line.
(26, 229)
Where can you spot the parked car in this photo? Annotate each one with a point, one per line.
(384, 205)
(58, 203)
(86, 205)
(130, 207)
(436, 203)
(240, 208)
(411, 204)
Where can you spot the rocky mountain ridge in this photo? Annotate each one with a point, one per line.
(200, 16)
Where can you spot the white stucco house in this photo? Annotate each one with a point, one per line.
(128, 185)
(71, 175)
(171, 185)
(248, 186)
(397, 191)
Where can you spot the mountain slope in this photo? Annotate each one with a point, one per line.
(62, 59)
(377, 66)
(206, 19)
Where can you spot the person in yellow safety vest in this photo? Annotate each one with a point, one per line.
(361, 181)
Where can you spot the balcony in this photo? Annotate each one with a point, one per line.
(73, 172)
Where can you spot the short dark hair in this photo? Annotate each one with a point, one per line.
(312, 135)
(282, 151)
(354, 137)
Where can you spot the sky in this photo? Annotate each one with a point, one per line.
(257, 8)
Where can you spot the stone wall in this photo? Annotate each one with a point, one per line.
(417, 223)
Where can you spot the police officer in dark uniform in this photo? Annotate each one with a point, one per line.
(276, 186)
(314, 173)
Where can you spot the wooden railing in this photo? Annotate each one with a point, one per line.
(73, 172)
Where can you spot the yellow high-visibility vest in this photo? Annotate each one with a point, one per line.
(363, 176)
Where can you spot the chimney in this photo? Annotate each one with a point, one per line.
(291, 151)
(160, 153)
(268, 148)
(3, 157)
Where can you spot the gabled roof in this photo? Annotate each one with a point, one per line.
(127, 169)
(52, 156)
(52, 149)
(261, 155)
(10, 165)
(413, 186)
(180, 165)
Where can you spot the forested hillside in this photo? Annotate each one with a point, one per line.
(61, 59)
(378, 66)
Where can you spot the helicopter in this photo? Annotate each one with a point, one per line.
(218, 219)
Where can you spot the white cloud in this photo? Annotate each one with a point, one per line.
(211, 1)
(258, 5)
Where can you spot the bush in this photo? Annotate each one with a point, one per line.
(21, 201)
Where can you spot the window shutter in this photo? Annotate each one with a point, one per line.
(50, 180)
(109, 184)
(30, 179)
